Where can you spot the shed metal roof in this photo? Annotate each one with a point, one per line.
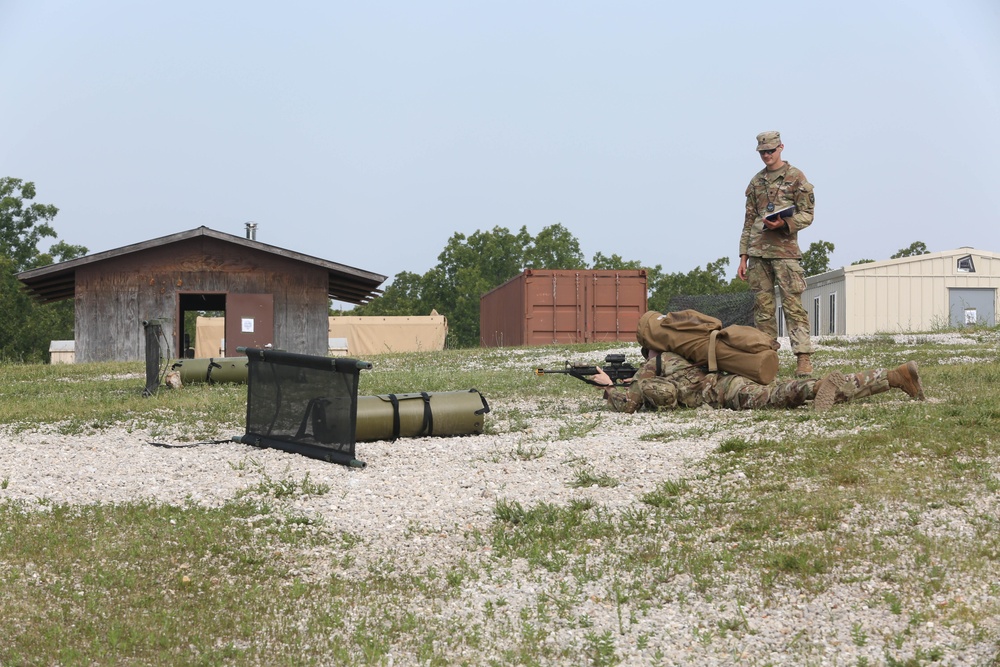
(57, 282)
(870, 267)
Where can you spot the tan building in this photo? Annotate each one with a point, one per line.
(359, 336)
(953, 288)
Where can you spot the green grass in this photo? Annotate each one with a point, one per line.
(79, 398)
(809, 502)
(150, 584)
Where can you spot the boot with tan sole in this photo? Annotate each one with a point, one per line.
(803, 367)
(826, 391)
(906, 377)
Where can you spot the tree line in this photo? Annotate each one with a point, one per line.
(27, 326)
(468, 267)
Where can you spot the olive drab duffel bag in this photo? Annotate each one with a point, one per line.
(701, 339)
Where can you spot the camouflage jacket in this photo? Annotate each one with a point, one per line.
(670, 383)
(787, 185)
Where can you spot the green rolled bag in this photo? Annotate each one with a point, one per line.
(222, 369)
(420, 414)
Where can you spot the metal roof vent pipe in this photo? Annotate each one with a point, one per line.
(252, 231)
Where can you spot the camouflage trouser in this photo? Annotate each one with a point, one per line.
(787, 274)
(865, 383)
(718, 390)
(736, 392)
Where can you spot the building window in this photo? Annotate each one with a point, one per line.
(815, 322)
(833, 314)
(781, 321)
(965, 265)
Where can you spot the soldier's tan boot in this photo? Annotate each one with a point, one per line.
(907, 377)
(826, 391)
(803, 367)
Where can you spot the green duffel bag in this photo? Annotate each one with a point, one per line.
(420, 414)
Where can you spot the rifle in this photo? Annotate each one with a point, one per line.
(616, 368)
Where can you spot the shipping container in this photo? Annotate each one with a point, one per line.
(546, 306)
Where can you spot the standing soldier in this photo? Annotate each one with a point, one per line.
(780, 202)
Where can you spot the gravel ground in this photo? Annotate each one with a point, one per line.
(417, 498)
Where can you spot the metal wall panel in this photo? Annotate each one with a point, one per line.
(546, 306)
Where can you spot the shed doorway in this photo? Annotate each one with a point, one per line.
(248, 318)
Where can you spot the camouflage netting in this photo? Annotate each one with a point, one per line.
(730, 308)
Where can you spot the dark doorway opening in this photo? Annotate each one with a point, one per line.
(193, 306)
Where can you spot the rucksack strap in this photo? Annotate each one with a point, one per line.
(395, 417)
(428, 428)
(713, 365)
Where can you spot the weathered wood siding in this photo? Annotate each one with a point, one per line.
(115, 296)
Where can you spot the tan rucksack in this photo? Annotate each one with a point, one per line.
(701, 339)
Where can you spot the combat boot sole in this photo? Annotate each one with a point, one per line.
(826, 391)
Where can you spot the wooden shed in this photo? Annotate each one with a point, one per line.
(269, 295)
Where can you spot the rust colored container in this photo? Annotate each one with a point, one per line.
(546, 306)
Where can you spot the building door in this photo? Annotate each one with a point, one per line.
(193, 307)
(970, 306)
(249, 321)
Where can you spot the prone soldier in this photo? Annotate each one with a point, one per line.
(668, 381)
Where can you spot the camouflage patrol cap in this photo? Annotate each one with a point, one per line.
(768, 140)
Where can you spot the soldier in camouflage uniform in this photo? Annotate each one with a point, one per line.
(668, 381)
(769, 250)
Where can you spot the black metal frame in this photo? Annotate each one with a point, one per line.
(341, 365)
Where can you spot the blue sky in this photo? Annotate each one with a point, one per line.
(368, 133)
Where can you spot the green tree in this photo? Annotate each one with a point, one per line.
(554, 248)
(616, 263)
(470, 266)
(467, 268)
(863, 261)
(403, 296)
(22, 223)
(710, 280)
(816, 259)
(27, 326)
(915, 248)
